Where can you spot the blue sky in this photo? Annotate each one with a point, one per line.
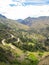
(20, 9)
(32, 2)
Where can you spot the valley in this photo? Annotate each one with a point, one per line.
(25, 42)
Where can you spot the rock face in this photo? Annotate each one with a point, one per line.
(44, 61)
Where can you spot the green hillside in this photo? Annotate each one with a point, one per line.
(22, 44)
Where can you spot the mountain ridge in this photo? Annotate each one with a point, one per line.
(2, 16)
(32, 19)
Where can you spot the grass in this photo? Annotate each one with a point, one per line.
(14, 49)
(40, 54)
(32, 56)
(30, 43)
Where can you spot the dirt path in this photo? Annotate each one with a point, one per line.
(17, 50)
(12, 36)
(3, 42)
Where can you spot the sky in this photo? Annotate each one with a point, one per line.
(21, 9)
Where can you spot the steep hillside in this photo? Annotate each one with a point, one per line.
(13, 24)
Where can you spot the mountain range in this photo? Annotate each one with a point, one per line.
(30, 20)
(24, 42)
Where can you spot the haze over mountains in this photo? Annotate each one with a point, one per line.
(33, 24)
(30, 20)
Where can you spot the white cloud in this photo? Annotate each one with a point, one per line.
(17, 12)
(29, 0)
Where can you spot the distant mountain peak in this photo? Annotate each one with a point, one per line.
(30, 20)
